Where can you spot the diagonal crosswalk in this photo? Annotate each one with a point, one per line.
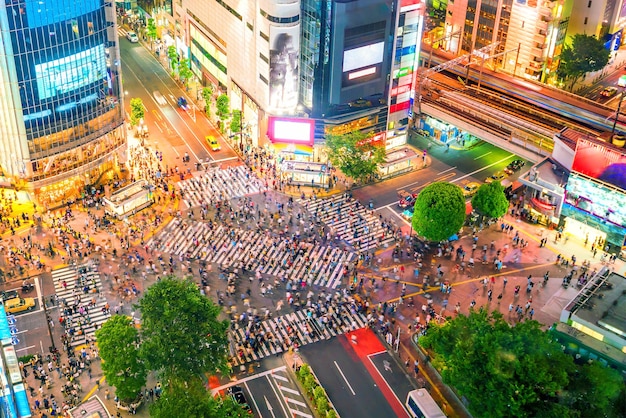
(220, 184)
(81, 302)
(276, 335)
(321, 265)
(350, 221)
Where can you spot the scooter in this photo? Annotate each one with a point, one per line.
(27, 287)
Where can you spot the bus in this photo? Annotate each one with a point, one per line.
(420, 404)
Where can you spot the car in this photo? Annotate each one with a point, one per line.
(17, 305)
(240, 397)
(514, 166)
(9, 294)
(608, 91)
(182, 103)
(159, 98)
(408, 214)
(497, 176)
(407, 201)
(132, 37)
(470, 189)
(213, 144)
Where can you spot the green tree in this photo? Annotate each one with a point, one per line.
(190, 399)
(118, 341)
(585, 54)
(502, 370)
(223, 106)
(182, 336)
(207, 95)
(235, 123)
(137, 111)
(354, 155)
(172, 56)
(439, 211)
(151, 31)
(184, 72)
(490, 200)
(594, 389)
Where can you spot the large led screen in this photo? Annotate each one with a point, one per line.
(284, 56)
(363, 56)
(596, 199)
(294, 130)
(70, 73)
(47, 12)
(600, 162)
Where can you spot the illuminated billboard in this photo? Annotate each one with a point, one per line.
(600, 162)
(284, 56)
(72, 72)
(363, 56)
(291, 130)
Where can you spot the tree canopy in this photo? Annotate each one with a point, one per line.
(118, 341)
(137, 111)
(184, 71)
(354, 155)
(585, 54)
(190, 399)
(439, 211)
(223, 106)
(516, 371)
(182, 336)
(490, 200)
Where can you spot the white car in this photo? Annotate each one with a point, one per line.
(132, 36)
(159, 98)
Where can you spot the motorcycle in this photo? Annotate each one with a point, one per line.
(27, 287)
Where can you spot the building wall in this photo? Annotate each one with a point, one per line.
(60, 107)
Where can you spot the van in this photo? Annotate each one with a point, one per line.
(18, 305)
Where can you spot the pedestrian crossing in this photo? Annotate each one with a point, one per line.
(348, 220)
(256, 251)
(220, 184)
(276, 335)
(81, 302)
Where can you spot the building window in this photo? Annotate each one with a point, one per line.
(230, 9)
(264, 36)
(263, 79)
(274, 19)
(264, 58)
(586, 19)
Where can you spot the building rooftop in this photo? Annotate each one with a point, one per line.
(92, 408)
(547, 174)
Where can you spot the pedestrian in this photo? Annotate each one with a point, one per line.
(106, 394)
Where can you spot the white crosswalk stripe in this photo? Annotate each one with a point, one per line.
(76, 289)
(321, 265)
(290, 393)
(349, 221)
(275, 335)
(220, 184)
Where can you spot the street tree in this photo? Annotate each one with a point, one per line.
(189, 398)
(594, 390)
(123, 368)
(184, 72)
(355, 155)
(235, 122)
(172, 56)
(137, 111)
(583, 55)
(490, 200)
(151, 31)
(223, 106)
(207, 95)
(439, 211)
(181, 334)
(502, 370)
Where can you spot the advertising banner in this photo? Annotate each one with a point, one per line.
(600, 162)
(284, 55)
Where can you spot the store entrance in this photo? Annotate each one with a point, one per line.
(585, 233)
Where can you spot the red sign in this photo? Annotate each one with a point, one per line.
(600, 162)
(399, 90)
(376, 140)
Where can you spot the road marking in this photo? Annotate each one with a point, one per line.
(369, 357)
(245, 379)
(253, 400)
(445, 171)
(483, 169)
(302, 414)
(406, 185)
(481, 156)
(280, 377)
(344, 378)
(225, 159)
(295, 401)
(445, 177)
(286, 389)
(25, 348)
(158, 126)
(283, 404)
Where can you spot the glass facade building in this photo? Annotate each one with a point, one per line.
(61, 116)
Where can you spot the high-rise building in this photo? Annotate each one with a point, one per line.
(527, 35)
(327, 62)
(61, 115)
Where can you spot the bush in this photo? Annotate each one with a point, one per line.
(25, 359)
(322, 406)
(309, 383)
(303, 372)
(331, 414)
(319, 392)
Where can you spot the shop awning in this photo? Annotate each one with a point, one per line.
(293, 149)
(541, 206)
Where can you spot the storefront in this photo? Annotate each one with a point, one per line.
(293, 152)
(441, 131)
(305, 173)
(397, 162)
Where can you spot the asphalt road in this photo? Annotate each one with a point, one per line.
(172, 130)
(350, 387)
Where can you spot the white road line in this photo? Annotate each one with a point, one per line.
(482, 169)
(286, 389)
(481, 156)
(295, 401)
(245, 379)
(225, 159)
(407, 185)
(278, 396)
(302, 414)
(369, 357)
(344, 378)
(25, 348)
(445, 171)
(280, 377)
(256, 407)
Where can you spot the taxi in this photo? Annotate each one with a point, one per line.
(17, 305)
